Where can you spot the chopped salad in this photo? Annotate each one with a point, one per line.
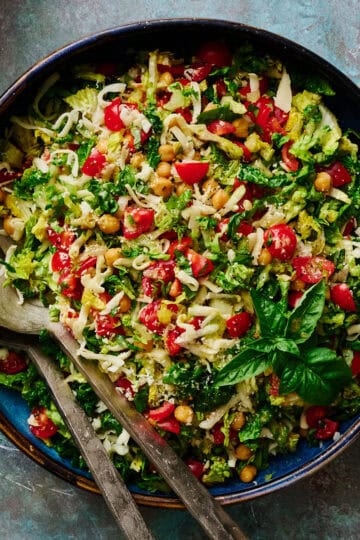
(194, 224)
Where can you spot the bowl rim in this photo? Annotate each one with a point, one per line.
(81, 45)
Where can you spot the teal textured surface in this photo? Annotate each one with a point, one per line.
(33, 502)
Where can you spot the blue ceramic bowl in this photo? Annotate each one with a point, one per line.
(177, 35)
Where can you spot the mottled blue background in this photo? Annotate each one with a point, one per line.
(34, 504)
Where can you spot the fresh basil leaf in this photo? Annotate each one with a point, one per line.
(303, 319)
(243, 366)
(271, 315)
(265, 345)
(317, 377)
(287, 346)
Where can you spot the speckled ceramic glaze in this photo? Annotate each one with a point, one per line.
(177, 35)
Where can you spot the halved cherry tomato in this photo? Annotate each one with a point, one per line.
(281, 241)
(13, 363)
(200, 265)
(342, 296)
(218, 435)
(294, 297)
(94, 164)
(62, 240)
(239, 324)
(339, 174)
(350, 226)
(313, 269)
(90, 262)
(198, 72)
(326, 429)
(137, 221)
(314, 414)
(112, 115)
(169, 424)
(40, 424)
(70, 285)
(150, 287)
(60, 261)
(162, 412)
(290, 161)
(192, 172)
(149, 316)
(355, 363)
(125, 386)
(215, 53)
(196, 467)
(161, 271)
(171, 346)
(179, 245)
(107, 325)
(220, 127)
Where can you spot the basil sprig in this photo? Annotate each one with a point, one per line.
(287, 343)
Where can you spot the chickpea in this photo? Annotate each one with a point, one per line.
(162, 187)
(241, 128)
(243, 452)
(297, 285)
(180, 188)
(8, 225)
(2, 196)
(219, 199)
(210, 187)
(136, 160)
(323, 182)
(111, 255)
(265, 257)
(166, 152)
(184, 414)
(165, 79)
(248, 473)
(164, 169)
(124, 304)
(239, 421)
(109, 224)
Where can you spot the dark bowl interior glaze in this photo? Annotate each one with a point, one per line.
(182, 36)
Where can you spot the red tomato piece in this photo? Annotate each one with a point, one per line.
(245, 228)
(150, 287)
(313, 269)
(112, 115)
(90, 262)
(179, 245)
(200, 265)
(185, 113)
(94, 164)
(13, 363)
(294, 297)
(342, 296)
(198, 72)
(355, 363)
(215, 53)
(195, 466)
(192, 172)
(107, 325)
(290, 161)
(161, 271)
(281, 241)
(221, 89)
(220, 127)
(148, 316)
(239, 324)
(62, 240)
(162, 412)
(137, 221)
(339, 174)
(170, 341)
(196, 322)
(7, 176)
(125, 386)
(40, 424)
(326, 429)
(169, 424)
(265, 107)
(350, 227)
(60, 261)
(70, 285)
(217, 434)
(314, 414)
